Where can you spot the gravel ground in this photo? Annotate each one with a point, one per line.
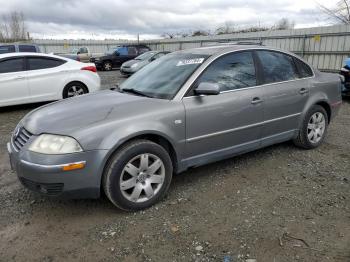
(280, 203)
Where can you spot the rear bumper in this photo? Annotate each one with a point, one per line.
(44, 173)
(335, 107)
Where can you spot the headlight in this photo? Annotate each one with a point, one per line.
(54, 144)
(134, 65)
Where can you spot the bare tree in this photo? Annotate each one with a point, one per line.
(200, 33)
(227, 28)
(13, 27)
(340, 13)
(283, 23)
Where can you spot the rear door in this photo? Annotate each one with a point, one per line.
(228, 123)
(13, 82)
(285, 95)
(46, 77)
(120, 56)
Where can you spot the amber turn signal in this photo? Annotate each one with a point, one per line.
(74, 166)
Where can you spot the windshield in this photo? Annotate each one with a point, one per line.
(164, 77)
(145, 56)
(110, 52)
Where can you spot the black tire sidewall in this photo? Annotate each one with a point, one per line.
(65, 90)
(312, 111)
(104, 66)
(116, 166)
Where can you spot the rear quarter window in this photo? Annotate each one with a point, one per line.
(303, 68)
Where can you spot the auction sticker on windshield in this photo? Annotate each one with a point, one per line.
(190, 61)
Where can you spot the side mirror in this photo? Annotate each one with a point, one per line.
(206, 88)
(78, 53)
(116, 53)
(152, 59)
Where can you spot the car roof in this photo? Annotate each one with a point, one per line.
(224, 48)
(8, 55)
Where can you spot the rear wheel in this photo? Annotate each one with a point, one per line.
(138, 175)
(314, 128)
(74, 89)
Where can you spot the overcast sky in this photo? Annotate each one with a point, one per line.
(92, 19)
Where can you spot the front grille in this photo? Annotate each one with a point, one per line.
(20, 138)
(51, 189)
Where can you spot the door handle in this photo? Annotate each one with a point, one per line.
(19, 77)
(256, 100)
(303, 91)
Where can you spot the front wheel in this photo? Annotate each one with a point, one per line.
(314, 128)
(138, 175)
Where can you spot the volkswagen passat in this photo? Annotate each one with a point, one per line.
(186, 109)
(34, 77)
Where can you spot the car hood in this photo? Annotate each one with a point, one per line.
(70, 115)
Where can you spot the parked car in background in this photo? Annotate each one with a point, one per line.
(345, 72)
(115, 57)
(82, 54)
(13, 48)
(132, 66)
(185, 109)
(70, 56)
(35, 77)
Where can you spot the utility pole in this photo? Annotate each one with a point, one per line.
(138, 39)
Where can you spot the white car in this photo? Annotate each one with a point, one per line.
(35, 77)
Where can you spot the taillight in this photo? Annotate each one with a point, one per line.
(90, 68)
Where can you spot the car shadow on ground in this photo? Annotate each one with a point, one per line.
(181, 183)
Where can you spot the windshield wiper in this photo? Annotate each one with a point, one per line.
(134, 91)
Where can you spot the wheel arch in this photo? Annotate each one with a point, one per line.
(157, 138)
(327, 107)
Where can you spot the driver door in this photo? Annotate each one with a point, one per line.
(219, 126)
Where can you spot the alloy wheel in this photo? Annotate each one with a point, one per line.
(316, 127)
(142, 178)
(75, 91)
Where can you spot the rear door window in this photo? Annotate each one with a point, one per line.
(4, 49)
(12, 65)
(37, 63)
(277, 67)
(132, 51)
(27, 48)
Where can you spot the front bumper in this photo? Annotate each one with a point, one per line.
(44, 173)
(127, 70)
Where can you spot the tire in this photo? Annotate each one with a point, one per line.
(107, 66)
(145, 186)
(311, 135)
(74, 89)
